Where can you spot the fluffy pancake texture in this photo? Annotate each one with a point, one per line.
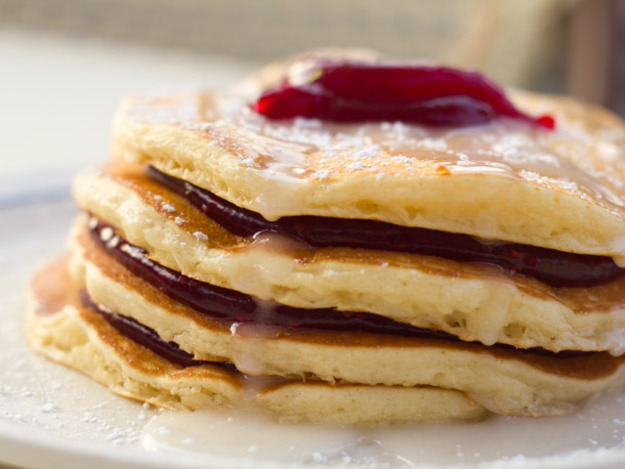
(498, 379)
(561, 190)
(446, 339)
(476, 303)
(64, 329)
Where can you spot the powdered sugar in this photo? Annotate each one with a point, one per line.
(295, 151)
(168, 207)
(200, 236)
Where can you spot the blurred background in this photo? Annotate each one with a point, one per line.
(65, 64)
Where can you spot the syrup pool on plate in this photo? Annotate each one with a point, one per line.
(238, 436)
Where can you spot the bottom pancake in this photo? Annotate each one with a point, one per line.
(66, 329)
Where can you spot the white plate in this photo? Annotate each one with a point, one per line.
(53, 417)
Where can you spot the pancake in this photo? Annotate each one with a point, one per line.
(473, 302)
(561, 190)
(64, 329)
(338, 263)
(501, 380)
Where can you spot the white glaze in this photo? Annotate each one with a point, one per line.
(246, 435)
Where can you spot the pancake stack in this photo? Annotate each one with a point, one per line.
(226, 258)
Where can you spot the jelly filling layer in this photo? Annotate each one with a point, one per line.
(141, 334)
(147, 337)
(555, 268)
(352, 91)
(230, 307)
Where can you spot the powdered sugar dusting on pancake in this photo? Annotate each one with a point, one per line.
(299, 149)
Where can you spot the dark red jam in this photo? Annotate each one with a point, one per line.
(555, 268)
(142, 335)
(346, 91)
(229, 307)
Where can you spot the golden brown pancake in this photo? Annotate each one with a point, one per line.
(445, 337)
(473, 302)
(64, 329)
(561, 190)
(499, 379)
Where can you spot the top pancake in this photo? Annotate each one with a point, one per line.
(506, 180)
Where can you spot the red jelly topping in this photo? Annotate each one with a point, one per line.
(556, 268)
(345, 91)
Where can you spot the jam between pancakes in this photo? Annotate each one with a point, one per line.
(142, 334)
(232, 309)
(227, 306)
(555, 268)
